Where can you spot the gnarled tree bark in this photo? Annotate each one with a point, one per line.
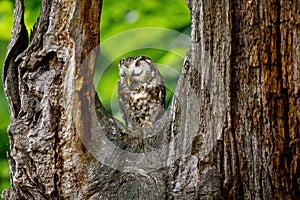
(231, 130)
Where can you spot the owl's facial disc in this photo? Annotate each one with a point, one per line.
(122, 73)
(137, 71)
(141, 71)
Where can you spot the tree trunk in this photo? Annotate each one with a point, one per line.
(231, 130)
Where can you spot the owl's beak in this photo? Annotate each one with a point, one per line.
(128, 81)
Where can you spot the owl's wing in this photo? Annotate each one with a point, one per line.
(159, 94)
(123, 97)
(162, 96)
(162, 99)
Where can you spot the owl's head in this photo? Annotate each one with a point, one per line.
(136, 70)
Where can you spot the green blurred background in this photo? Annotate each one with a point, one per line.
(119, 38)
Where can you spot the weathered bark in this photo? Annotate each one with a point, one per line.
(47, 159)
(230, 132)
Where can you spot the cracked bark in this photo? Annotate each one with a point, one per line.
(230, 132)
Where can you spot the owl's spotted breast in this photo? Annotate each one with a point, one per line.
(146, 104)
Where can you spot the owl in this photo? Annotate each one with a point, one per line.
(141, 91)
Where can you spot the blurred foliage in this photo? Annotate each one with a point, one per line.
(119, 38)
(126, 31)
(6, 19)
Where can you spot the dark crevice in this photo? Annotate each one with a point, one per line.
(235, 46)
(35, 119)
(18, 44)
(260, 53)
(56, 178)
(287, 156)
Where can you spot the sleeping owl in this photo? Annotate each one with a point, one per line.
(141, 91)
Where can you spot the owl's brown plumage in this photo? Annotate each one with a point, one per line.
(141, 91)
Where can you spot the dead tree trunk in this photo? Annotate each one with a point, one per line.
(231, 130)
